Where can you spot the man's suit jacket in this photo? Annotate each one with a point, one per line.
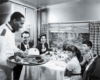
(22, 47)
(93, 72)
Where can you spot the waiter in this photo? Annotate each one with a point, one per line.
(7, 42)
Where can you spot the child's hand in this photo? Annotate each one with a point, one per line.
(67, 73)
(88, 57)
(83, 62)
(67, 59)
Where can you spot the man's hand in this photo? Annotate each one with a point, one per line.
(20, 54)
(17, 58)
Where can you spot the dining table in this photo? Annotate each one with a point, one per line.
(53, 69)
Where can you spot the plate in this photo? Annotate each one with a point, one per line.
(30, 60)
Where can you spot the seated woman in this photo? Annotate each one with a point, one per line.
(42, 46)
(73, 68)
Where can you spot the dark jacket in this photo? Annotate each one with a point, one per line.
(22, 47)
(39, 47)
(93, 72)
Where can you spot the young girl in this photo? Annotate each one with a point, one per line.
(73, 68)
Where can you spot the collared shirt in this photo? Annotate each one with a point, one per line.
(26, 46)
(7, 42)
(8, 25)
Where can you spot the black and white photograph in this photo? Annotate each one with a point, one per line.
(49, 39)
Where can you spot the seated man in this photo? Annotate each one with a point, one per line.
(24, 46)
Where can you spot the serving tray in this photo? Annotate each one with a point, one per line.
(30, 60)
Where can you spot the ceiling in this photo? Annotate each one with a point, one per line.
(44, 3)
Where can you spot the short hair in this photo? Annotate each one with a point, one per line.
(25, 32)
(88, 43)
(16, 15)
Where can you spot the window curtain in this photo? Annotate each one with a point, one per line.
(29, 24)
(95, 36)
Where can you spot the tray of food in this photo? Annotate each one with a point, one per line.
(29, 60)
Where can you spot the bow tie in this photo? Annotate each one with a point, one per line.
(13, 31)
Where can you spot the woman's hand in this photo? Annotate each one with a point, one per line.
(43, 50)
(67, 59)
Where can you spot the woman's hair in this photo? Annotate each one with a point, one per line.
(75, 50)
(39, 39)
(42, 35)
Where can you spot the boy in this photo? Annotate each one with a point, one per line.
(87, 53)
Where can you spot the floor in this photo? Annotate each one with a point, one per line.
(3, 75)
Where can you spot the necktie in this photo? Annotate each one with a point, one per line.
(26, 51)
(27, 47)
(13, 31)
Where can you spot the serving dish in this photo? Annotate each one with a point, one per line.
(29, 60)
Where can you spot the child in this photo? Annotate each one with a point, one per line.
(73, 68)
(87, 53)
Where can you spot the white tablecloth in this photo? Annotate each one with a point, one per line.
(52, 70)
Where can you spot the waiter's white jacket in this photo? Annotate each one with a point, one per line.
(7, 44)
